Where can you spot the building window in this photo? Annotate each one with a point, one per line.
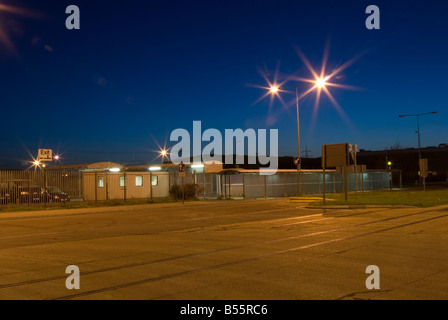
(100, 182)
(138, 181)
(122, 181)
(154, 180)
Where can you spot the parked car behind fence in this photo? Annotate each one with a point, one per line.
(32, 194)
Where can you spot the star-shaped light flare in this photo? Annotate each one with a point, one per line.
(319, 83)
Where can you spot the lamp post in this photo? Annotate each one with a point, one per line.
(274, 89)
(418, 115)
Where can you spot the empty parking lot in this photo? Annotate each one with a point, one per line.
(210, 250)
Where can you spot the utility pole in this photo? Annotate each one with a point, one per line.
(307, 152)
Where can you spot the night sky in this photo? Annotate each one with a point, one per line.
(137, 70)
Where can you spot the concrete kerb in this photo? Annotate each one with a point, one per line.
(310, 200)
(361, 206)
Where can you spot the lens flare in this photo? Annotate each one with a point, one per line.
(24, 12)
(320, 82)
(34, 163)
(274, 89)
(162, 152)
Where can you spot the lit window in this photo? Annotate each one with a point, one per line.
(100, 182)
(154, 180)
(122, 181)
(139, 181)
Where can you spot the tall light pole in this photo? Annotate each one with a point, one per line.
(418, 115)
(274, 89)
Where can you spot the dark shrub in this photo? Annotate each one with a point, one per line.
(190, 191)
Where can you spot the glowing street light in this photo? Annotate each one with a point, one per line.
(274, 89)
(321, 82)
(36, 164)
(318, 83)
(163, 153)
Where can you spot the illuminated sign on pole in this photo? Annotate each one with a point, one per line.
(44, 155)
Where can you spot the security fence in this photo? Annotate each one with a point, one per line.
(65, 187)
(252, 185)
(40, 187)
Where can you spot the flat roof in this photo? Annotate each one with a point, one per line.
(87, 166)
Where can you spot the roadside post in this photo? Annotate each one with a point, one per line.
(389, 166)
(297, 162)
(45, 155)
(336, 156)
(182, 175)
(353, 149)
(323, 167)
(424, 171)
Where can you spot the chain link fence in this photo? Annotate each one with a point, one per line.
(65, 187)
(247, 185)
(253, 185)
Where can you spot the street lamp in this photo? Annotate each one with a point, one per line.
(319, 83)
(163, 153)
(418, 115)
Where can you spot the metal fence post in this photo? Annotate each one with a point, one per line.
(45, 188)
(323, 185)
(96, 187)
(107, 186)
(244, 186)
(29, 195)
(362, 181)
(125, 186)
(334, 182)
(229, 195)
(318, 183)
(265, 188)
(150, 185)
(79, 186)
(401, 180)
(204, 184)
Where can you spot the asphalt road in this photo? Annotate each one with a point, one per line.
(210, 250)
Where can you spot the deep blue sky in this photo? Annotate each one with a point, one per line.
(136, 70)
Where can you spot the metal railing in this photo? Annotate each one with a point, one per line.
(31, 188)
(69, 187)
(252, 185)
